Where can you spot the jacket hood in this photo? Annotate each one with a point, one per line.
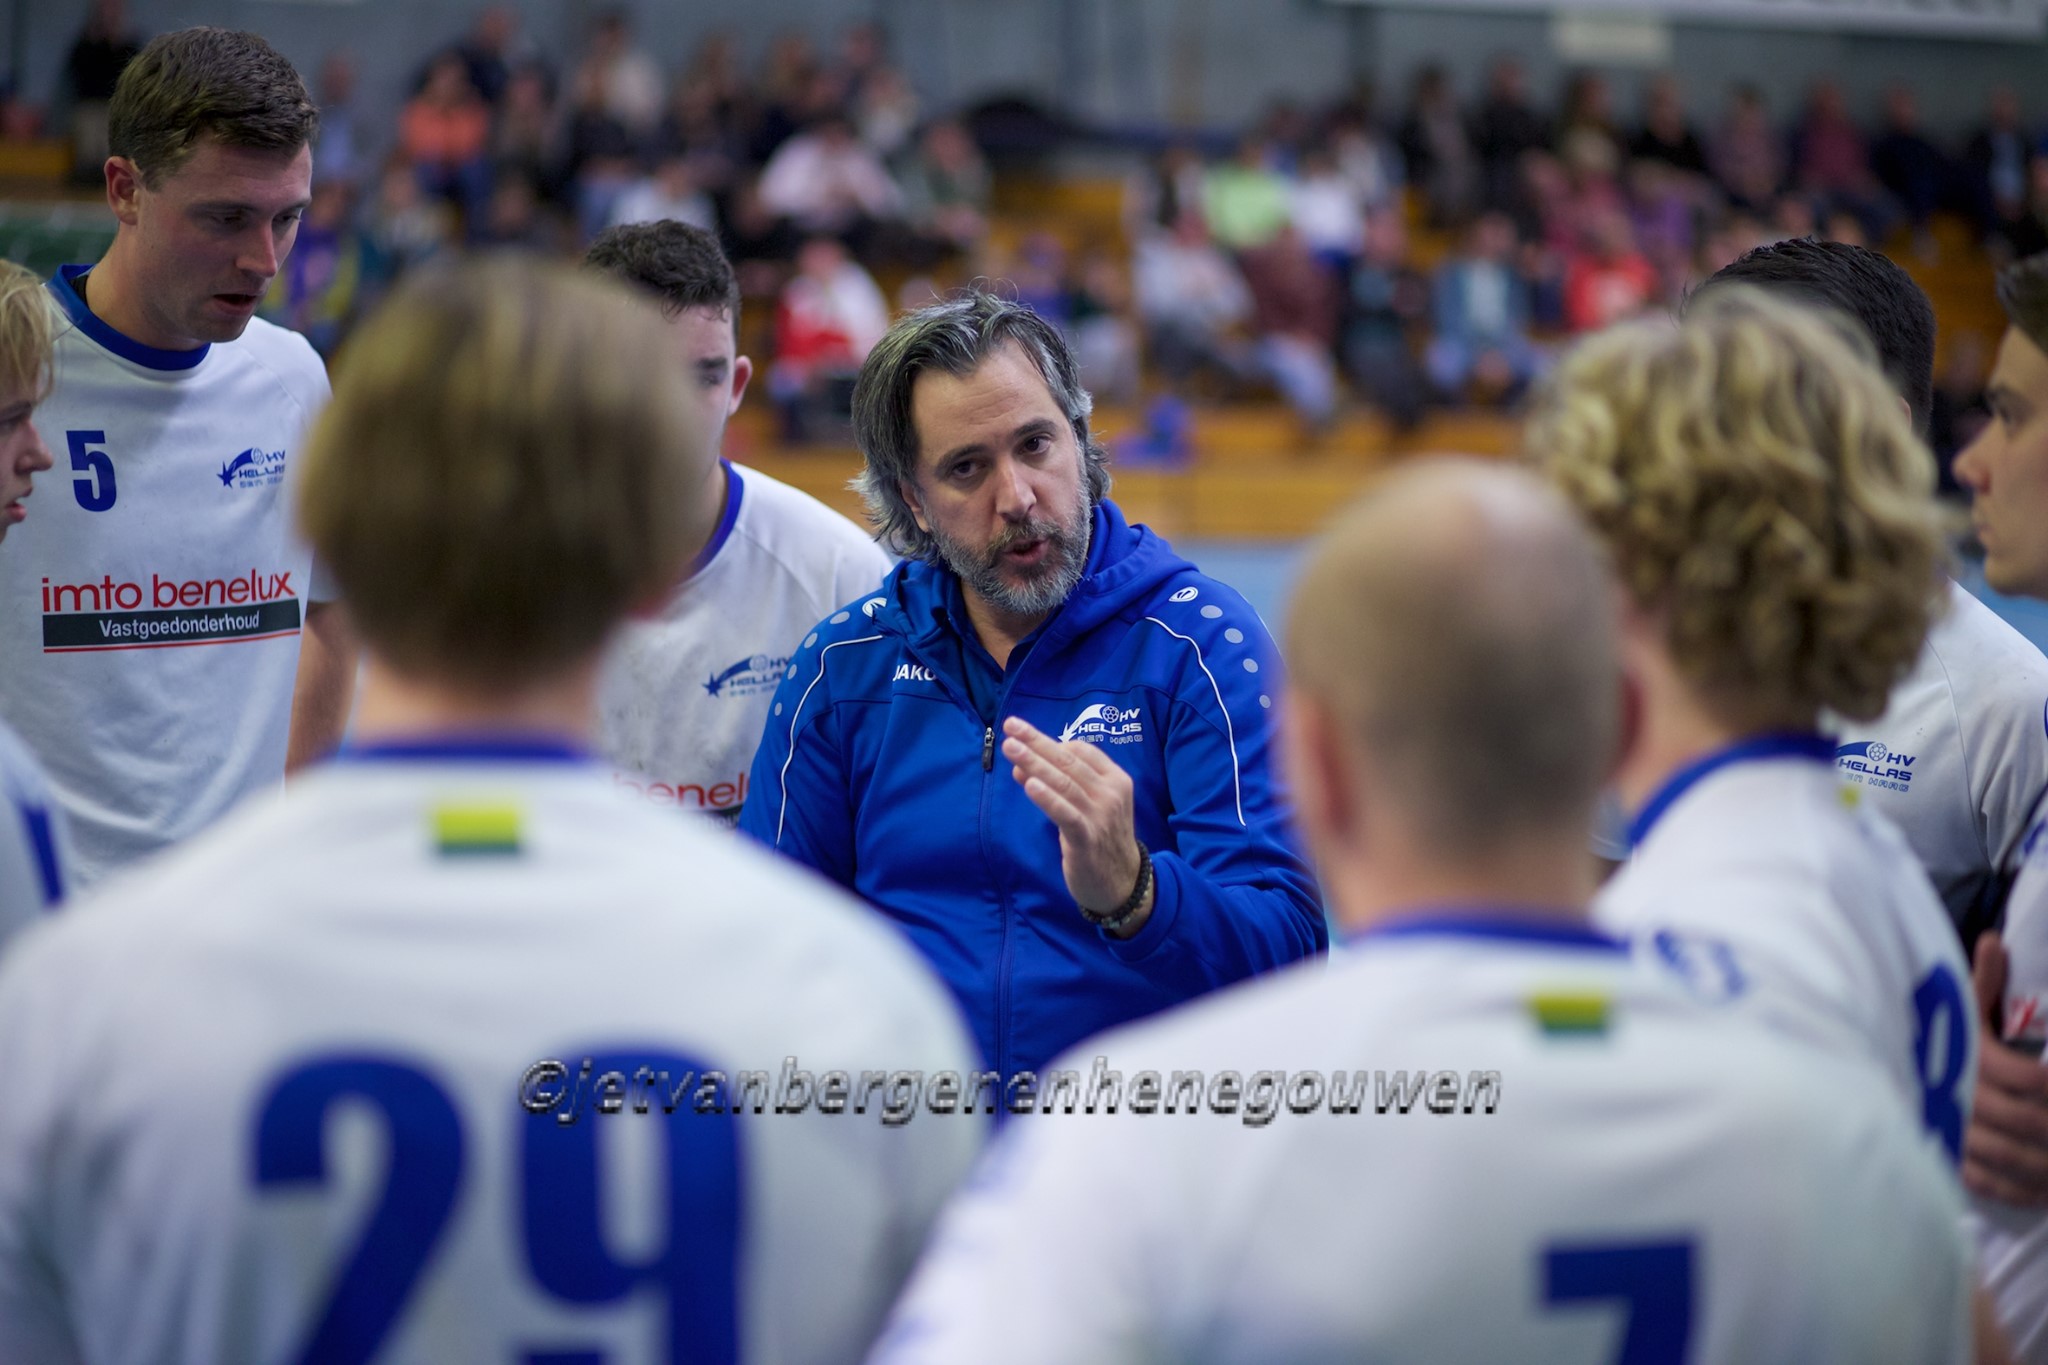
(1125, 564)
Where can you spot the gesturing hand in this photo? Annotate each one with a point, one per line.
(2005, 1153)
(1089, 798)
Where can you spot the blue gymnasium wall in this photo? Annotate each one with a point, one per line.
(1130, 62)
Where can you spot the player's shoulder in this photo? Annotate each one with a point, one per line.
(774, 510)
(286, 355)
(1983, 661)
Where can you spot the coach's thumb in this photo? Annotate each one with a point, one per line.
(1987, 974)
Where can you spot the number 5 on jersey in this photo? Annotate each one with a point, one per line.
(93, 485)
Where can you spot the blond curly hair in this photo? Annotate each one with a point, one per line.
(1761, 493)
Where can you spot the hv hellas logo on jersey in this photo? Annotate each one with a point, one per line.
(754, 674)
(253, 468)
(1105, 723)
(153, 611)
(1875, 765)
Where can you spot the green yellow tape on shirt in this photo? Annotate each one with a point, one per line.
(463, 829)
(1570, 1014)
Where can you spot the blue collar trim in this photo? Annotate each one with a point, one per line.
(1557, 929)
(1797, 744)
(723, 531)
(470, 748)
(64, 285)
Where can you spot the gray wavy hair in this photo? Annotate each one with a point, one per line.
(954, 337)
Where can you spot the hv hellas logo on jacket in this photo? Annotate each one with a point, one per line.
(1105, 723)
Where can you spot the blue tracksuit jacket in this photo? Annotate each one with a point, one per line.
(879, 769)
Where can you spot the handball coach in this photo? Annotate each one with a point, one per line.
(1043, 745)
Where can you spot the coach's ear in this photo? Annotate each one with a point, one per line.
(909, 492)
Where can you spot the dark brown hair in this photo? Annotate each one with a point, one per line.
(206, 81)
(2023, 293)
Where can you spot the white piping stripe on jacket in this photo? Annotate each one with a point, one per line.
(783, 813)
(1229, 730)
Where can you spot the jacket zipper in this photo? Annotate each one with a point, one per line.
(988, 749)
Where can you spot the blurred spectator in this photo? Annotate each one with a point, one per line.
(1038, 276)
(405, 227)
(2027, 235)
(338, 154)
(625, 82)
(1666, 136)
(1482, 317)
(863, 60)
(1908, 165)
(715, 78)
(1611, 280)
(103, 46)
(1389, 302)
(1585, 129)
(1747, 157)
(515, 220)
(1191, 300)
(828, 181)
(886, 112)
(1324, 206)
(1366, 159)
(490, 50)
(1104, 337)
(1287, 130)
(1507, 128)
(20, 121)
(1161, 194)
(1959, 411)
(317, 290)
(1295, 309)
(443, 132)
(1661, 208)
(1245, 200)
(670, 192)
(830, 315)
(788, 78)
(603, 156)
(1438, 149)
(1794, 215)
(1832, 162)
(946, 187)
(1994, 166)
(529, 137)
(1846, 228)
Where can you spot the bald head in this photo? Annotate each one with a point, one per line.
(1458, 627)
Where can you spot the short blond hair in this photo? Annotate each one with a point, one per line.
(1459, 625)
(504, 472)
(1761, 492)
(26, 333)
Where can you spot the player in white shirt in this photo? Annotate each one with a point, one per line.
(158, 615)
(314, 1086)
(1768, 512)
(31, 868)
(1961, 749)
(687, 689)
(1606, 1170)
(2006, 1156)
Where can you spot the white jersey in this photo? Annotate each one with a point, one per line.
(31, 868)
(1758, 876)
(150, 608)
(1591, 1167)
(1960, 752)
(684, 697)
(2013, 1242)
(302, 1089)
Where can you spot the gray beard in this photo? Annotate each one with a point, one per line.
(981, 569)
